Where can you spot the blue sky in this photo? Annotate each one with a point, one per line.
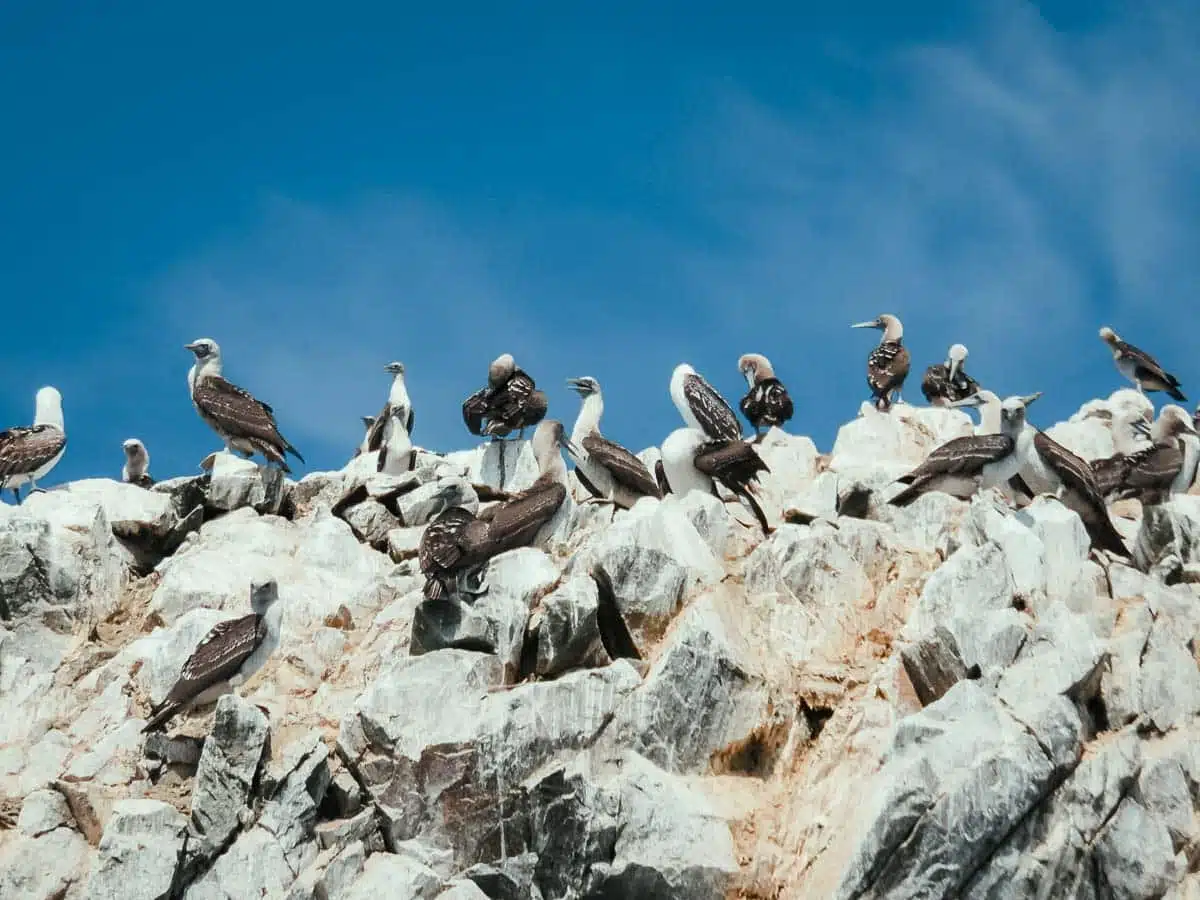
(325, 188)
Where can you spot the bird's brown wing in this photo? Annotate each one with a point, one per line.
(442, 546)
(474, 410)
(1148, 368)
(624, 467)
(965, 456)
(375, 432)
(235, 412)
(935, 385)
(887, 367)
(25, 450)
(517, 521)
(1156, 468)
(218, 656)
(715, 416)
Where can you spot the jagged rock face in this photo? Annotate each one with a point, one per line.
(946, 700)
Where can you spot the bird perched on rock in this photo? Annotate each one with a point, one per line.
(964, 465)
(398, 406)
(1140, 367)
(246, 425)
(226, 657)
(946, 382)
(1167, 466)
(368, 422)
(509, 402)
(767, 402)
(457, 544)
(693, 462)
(888, 363)
(608, 471)
(137, 464)
(29, 452)
(701, 406)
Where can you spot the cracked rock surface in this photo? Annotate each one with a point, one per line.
(947, 700)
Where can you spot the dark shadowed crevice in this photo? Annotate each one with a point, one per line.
(614, 633)
(815, 718)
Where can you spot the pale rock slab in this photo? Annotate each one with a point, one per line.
(236, 483)
(48, 867)
(568, 633)
(139, 852)
(229, 762)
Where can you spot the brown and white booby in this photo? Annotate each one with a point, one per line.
(510, 402)
(396, 453)
(693, 462)
(701, 407)
(767, 402)
(137, 464)
(946, 382)
(246, 425)
(398, 399)
(888, 363)
(1140, 367)
(368, 422)
(608, 471)
(1047, 467)
(457, 544)
(1167, 466)
(29, 452)
(964, 465)
(226, 657)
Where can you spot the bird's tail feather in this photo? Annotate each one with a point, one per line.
(160, 715)
(758, 512)
(906, 496)
(1176, 394)
(1105, 536)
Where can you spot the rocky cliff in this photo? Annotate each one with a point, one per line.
(946, 700)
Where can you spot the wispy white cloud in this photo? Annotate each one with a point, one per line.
(1011, 190)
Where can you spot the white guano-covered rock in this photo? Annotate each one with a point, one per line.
(139, 852)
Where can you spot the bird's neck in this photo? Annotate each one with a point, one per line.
(588, 419)
(893, 333)
(398, 395)
(274, 619)
(203, 368)
(49, 412)
(989, 418)
(552, 467)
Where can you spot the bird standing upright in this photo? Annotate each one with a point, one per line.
(888, 363)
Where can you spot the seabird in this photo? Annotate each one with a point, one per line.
(510, 402)
(767, 403)
(888, 364)
(1140, 367)
(246, 425)
(702, 407)
(988, 405)
(964, 465)
(608, 471)
(693, 462)
(1047, 467)
(456, 544)
(397, 400)
(946, 382)
(28, 453)
(1168, 466)
(367, 421)
(137, 464)
(226, 658)
(396, 453)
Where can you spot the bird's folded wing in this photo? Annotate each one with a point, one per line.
(715, 416)
(218, 656)
(24, 450)
(625, 468)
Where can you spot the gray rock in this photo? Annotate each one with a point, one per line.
(343, 832)
(671, 844)
(237, 483)
(961, 774)
(703, 697)
(371, 522)
(654, 557)
(344, 797)
(139, 852)
(231, 759)
(254, 866)
(420, 505)
(509, 879)
(1136, 853)
(492, 622)
(43, 811)
(933, 665)
(1169, 537)
(294, 789)
(462, 890)
(59, 562)
(569, 632)
(404, 543)
(573, 824)
(49, 867)
(389, 875)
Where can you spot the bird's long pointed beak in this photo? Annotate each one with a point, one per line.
(973, 400)
(1029, 398)
(191, 347)
(1141, 426)
(575, 384)
(571, 447)
(873, 324)
(953, 369)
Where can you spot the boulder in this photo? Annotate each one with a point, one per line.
(139, 852)
(227, 772)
